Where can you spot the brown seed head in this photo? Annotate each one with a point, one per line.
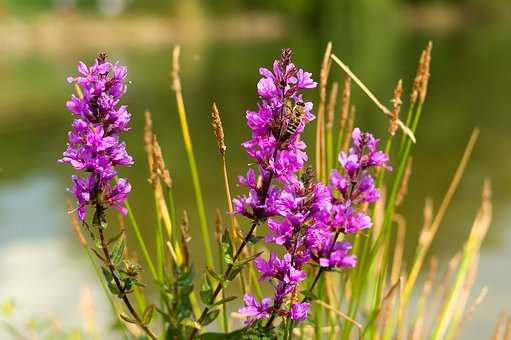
(417, 81)
(218, 128)
(185, 237)
(331, 105)
(176, 81)
(396, 107)
(425, 73)
(159, 168)
(148, 139)
(420, 83)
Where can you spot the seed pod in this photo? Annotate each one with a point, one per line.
(216, 122)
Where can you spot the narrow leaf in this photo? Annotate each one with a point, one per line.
(210, 317)
(127, 319)
(206, 292)
(227, 248)
(224, 301)
(148, 314)
(214, 274)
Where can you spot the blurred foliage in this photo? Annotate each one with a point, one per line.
(308, 11)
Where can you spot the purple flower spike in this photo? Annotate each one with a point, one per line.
(304, 217)
(93, 143)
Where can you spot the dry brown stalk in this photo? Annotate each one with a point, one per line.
(339, 313)
(332, 100)
(216, 122)
(320, 128)
(345, 105)
(444, 283)
(399, 248)
(403, 189)
(396, 107)
(462, 299)
(371, 96)
(349, 127)
(427, 235)
(218, 227)
(477, 302)
(418, 326)
(386, 304)
(379, 214)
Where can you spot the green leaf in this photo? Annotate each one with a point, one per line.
(210, 317)
(227, 248)
(117, 252)
(110, 281)
(115, 238)
(107, 274)
(190, 323)
(128, 319)
(224, 301)
(185, 277)
(246, 260)
(234, 272)
(148, 314)
(206, 292)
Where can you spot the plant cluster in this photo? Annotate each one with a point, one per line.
(333, 250)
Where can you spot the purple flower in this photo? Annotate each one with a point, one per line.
(299, 311)
(278, 150)
(255, 310)
(339, 256)
(305, 218)
(350, 192)
(93, 143)
(116, 196)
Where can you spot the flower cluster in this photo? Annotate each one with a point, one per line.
(350, 192)
(279, 152)
(94, 144)
(306, 218)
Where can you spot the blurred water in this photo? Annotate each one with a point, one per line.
(40, 260)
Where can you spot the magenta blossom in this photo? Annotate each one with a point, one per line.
(93, 143)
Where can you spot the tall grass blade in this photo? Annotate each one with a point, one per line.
(176, 85)
(470, 252)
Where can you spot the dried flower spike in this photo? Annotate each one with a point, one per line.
(216, 122)
(396, 107)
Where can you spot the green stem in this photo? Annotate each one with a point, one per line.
(141, 242)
